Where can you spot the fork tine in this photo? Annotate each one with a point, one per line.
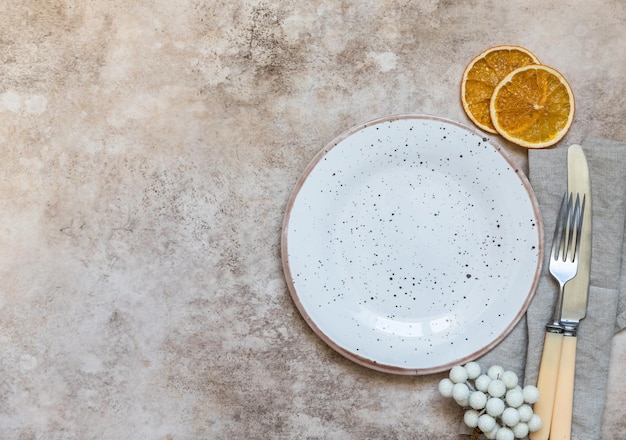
(559, 230)
(568, 241)
(580, 211)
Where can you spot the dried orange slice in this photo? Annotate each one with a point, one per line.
(482, 75)
(533, 106)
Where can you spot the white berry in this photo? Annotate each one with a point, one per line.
(496, 388)
(534, 424)
(458, 374)
(505, 434)
(510, 379)
(495, 407)
(478, 400)
(461, 393)
(515, 398)
(525, 413)
(482, 382)
(470, 418)
(531, 394)
(445, 387)
(520, 430)
(510, 417)
(486, 423)
(495, 371)
(473, 370)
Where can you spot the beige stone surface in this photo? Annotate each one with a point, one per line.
(147, 152)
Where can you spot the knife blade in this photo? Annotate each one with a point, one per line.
(575, 298)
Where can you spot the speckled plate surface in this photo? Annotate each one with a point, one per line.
(412, 244)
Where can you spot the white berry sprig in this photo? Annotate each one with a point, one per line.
(494, 401)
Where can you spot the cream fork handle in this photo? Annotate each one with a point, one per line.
(546, 383)
(564, 398)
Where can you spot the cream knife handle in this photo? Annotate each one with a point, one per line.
(546, 383)
(564, 399)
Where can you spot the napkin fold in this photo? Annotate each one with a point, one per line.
(606, 312)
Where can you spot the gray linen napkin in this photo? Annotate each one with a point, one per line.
(606, 312)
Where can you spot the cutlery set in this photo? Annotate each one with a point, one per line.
(570, 260)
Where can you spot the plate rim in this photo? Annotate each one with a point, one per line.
(370, 363)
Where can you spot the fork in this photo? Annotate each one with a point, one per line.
(565, 246)
(564, 252)
(563, 267)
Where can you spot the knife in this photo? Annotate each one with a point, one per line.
(574, 307)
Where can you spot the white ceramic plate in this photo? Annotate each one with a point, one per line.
(412, 244)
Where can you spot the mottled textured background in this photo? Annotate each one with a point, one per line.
(147, 152)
